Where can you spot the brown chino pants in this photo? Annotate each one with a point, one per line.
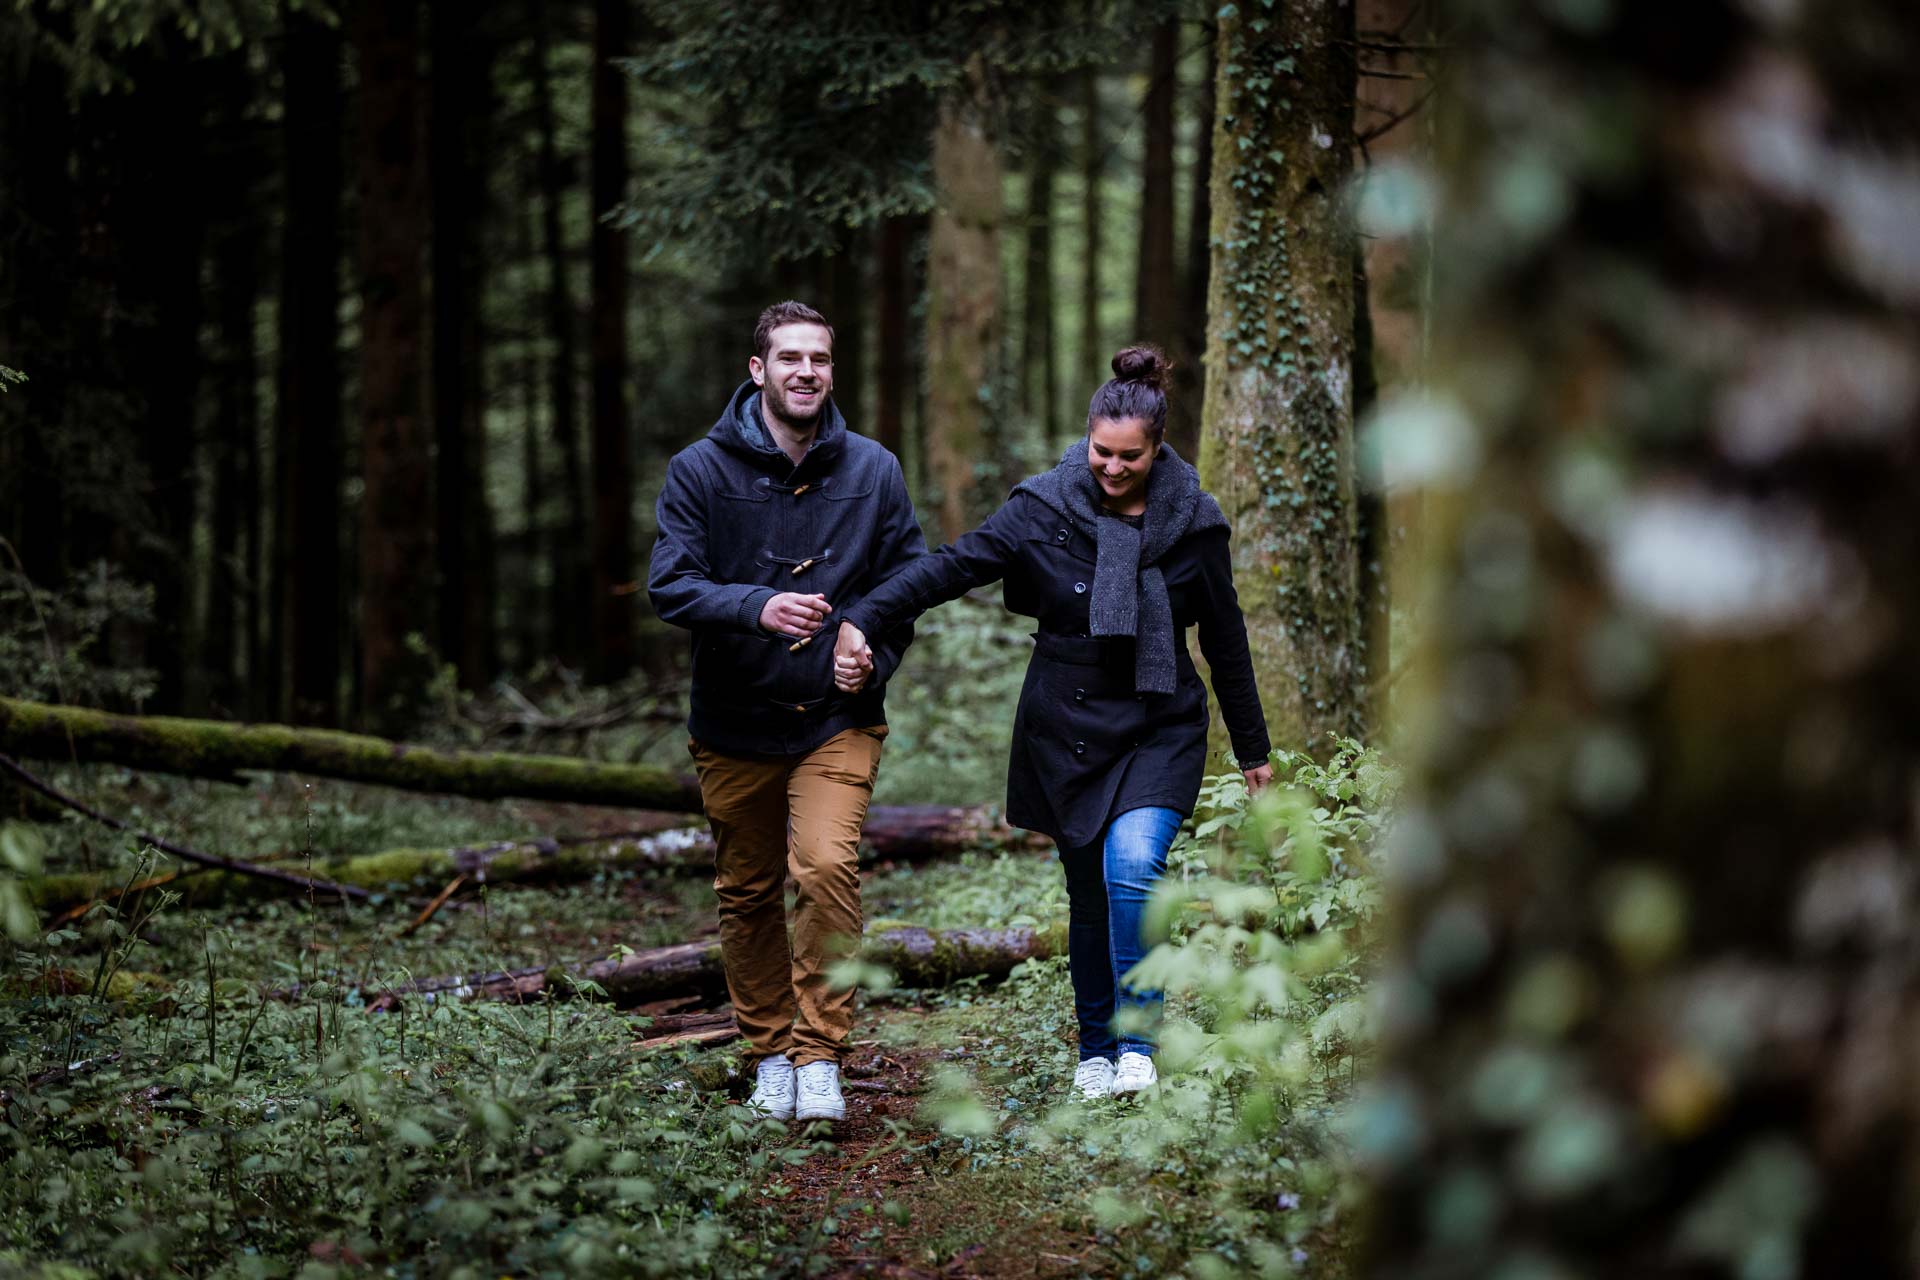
(772, 816)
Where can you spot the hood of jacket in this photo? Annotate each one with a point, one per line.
(742, 433)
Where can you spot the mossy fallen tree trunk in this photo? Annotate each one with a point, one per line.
(892, 833)
(917, 957)
(217, 749)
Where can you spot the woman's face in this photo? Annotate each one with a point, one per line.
(1120, 452)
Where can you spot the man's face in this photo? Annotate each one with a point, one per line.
(797, 374)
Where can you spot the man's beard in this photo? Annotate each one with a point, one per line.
(784, 409)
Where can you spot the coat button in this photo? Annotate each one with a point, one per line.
(1079, 748)
(1079, 588)
(1060, 536)
(1139, 697)
(1079, 695)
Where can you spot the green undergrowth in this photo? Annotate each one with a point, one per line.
(201, 1127)
(1234, 1164)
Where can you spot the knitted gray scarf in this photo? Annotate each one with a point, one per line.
(1129, 592)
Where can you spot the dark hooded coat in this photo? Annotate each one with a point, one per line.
(1092, 738)
(740, 522)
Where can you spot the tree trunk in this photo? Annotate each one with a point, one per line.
(215, 749)
(568, 579)
(918, 958)
(1156, 282)
(613, 568)
(893, 321)
(39, 228)
(530, 607)
(1277, 447)
(1093, 163)
(158, 291)
(891, 834)
(310, 424)
(1659, 952)
(236, 419)
(396, 541)
(1039, 366)
(1189, 371)
(460, 107)
(963, 301)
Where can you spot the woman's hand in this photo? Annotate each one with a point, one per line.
(852, 659)
(1259, 778)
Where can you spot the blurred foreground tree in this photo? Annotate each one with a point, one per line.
(1655, 1006)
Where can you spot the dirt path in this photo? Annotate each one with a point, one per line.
(902, 1210)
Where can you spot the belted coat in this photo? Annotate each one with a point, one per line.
(739, 521)
(1087, 744)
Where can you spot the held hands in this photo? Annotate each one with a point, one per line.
(1259, 778)
(852, 659)
(792, 614)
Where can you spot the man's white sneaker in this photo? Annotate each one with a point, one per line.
(1134, 1073)
(773, 1088)
(820, 1092)
(1093, 1078)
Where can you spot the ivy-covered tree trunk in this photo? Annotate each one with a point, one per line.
(396, 447)
(963, 299)
(1277, 437)
(1656, 1004)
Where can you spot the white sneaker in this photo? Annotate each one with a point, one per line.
(1093, 1078)
(1134, 1073)
(820, 1092)
(773, 1088)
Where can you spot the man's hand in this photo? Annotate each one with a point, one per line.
(792, 614)
(1259, 778)
(852, 659)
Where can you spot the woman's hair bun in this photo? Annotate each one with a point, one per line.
(1146, 365)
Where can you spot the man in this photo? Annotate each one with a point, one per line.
(768, 528)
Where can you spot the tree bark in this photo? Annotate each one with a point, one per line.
(1093, 164)
(208, 748)
(963, 301)
(1156, 281)
(613, 599)
(918, 958)
(1658, 982)
(891, 834)
(1277, 447)
(310, 425)
(568, 578)
(396, 540)
(894, 321)
(1189, 371)
(459, 110)
(1039, 363)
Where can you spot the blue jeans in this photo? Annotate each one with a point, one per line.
(1108, 883)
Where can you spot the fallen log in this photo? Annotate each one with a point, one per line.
(212, 748)
(892, 833)
(249, 872)
(917, 957)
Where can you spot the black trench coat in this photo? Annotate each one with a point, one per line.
(1086, 746)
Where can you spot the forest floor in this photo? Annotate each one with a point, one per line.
(195, 1123)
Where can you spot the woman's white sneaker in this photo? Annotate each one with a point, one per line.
(1134, 1073)
(773, 1088)
(820, 1097)
(1093, 1078)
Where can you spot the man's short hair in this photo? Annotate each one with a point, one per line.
(788, 312)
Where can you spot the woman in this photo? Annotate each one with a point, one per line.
(1116, 551)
